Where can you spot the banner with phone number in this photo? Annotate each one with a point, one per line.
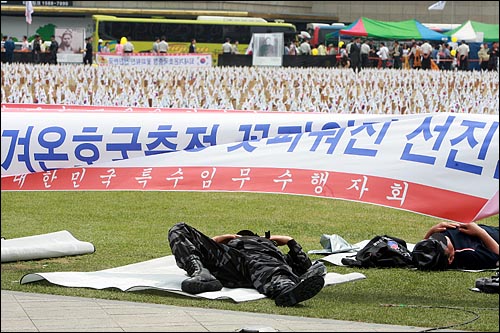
(443, 165)
(151, 59)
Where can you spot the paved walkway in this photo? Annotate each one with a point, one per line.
(30, 312)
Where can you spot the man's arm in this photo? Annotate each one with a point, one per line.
(440, 227)
(280, 240)
(473, 229)
(224, 238)
(296, 257)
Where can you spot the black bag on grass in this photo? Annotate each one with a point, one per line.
(382, 251)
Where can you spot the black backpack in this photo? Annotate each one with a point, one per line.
(382, 251)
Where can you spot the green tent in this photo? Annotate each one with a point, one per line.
(472, 31)
(401, 30)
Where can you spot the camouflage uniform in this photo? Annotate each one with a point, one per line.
(244, 262)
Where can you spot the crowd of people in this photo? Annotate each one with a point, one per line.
(38, 46)
(358, 54)
(339, 90)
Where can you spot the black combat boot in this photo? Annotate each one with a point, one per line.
(301, 291)
(200, 280)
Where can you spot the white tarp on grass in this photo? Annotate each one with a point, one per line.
(55, 244)
(160, 274)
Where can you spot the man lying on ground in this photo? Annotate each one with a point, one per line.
(453, 245)
(245, 260)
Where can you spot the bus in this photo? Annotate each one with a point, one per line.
(318, 32)
(210, 32)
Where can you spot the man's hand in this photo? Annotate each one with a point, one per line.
(440, 227)
(471, 229)
(280, 240)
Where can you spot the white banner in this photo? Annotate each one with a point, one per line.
(70, 58)
(67, 136)
(135, 59)
(443, 164)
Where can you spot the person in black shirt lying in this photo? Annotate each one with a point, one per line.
(453, 245)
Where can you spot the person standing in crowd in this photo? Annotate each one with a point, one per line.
(53, 48)
(439, 55)
(25, 46)
(463, 56)
(447, 57)
(344, 57)
(373, 54)
(412, 53)
(348, 47)
(9, 47)
(434, 54)
(192, 46)
(235, 47)
(128, 47)
(417, 60)
(87, 59)
(99, 45)
(483, 56)
(454, 62)
(163, 45)
(305, 47)
(4, 39)
(321, 49)
(227, 48)
(397, 51)
(37, 49)
(105, 48)
(406, 57)
(43, 46)
(426, 50)
(383, 53)
(331, 50)
(364, 52)
(493, 61)
(286, 49)
(155, 45)
(119, 48)
(355, 55)
(292, 49)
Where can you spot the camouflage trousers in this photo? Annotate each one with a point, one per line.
(257, 264)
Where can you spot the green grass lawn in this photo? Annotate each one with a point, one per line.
(129, 227)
